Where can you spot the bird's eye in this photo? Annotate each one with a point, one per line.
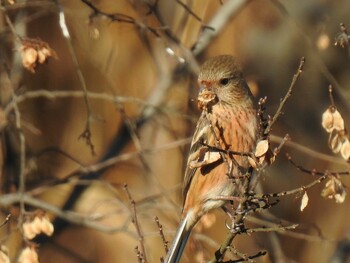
(224, 81)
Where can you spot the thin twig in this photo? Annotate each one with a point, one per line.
(308, 151)
(22, 153)
(331, 98)
(139, 255)
(70, 216)
(161, 233)
(83, 171)
(243, 257)
(61, 94)
(238, 222)
(218, 22)
(263, 120)
(312, 51)
(314, 171)
(86, 134)
(288, 94)
(11, 26)
(303, 188)
(7, 219)
(118, 17)
(136, 223)
(193, 14)
(297, 190)
(277, 228)
(292, 234)
(133, 134)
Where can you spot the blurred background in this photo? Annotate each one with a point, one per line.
(115, 103)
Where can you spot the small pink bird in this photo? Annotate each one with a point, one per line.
(228, 122)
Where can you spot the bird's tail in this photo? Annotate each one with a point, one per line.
(179, 242)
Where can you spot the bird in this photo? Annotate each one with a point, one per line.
(228, 123)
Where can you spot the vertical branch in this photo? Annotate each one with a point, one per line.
(6, 220)
(132, 128)
(11, 26)
(137, 225)
(331, 98)
(217, 24)
(160, 227)
(238, 223)
(319, 62)
(22, 149)
(288, 94)
(86, 134)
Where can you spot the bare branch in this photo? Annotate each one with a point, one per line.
(118, 17)
(288, 94)
(7, 219)
(238, 223)
(277, 228)
(161, 233)
(86, 134)
(319, 62)
(70, 216)
(137, 224)
(308, 151)
(243, 257)
(218, 22)
(314, 171)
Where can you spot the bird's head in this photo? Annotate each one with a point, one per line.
(221, 81)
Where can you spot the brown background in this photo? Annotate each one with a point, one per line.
(267, 37)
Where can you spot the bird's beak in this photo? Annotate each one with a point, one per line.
(206, 97)
(205, 91)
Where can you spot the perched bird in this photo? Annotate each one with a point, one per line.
(228, 123)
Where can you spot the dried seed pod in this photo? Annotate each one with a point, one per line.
(335, 142)
(345, 149)
(34, 51)
(28, 255)
(28, 231)
(37, 226)
(334, 189)
(304, 202)
(261, 148)
(31, 228)
(41, 57)
(29, 57)
(46, 226)
(332, 120)
(338, 122)
(262, 153)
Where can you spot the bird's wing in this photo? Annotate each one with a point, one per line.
(200, 155)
